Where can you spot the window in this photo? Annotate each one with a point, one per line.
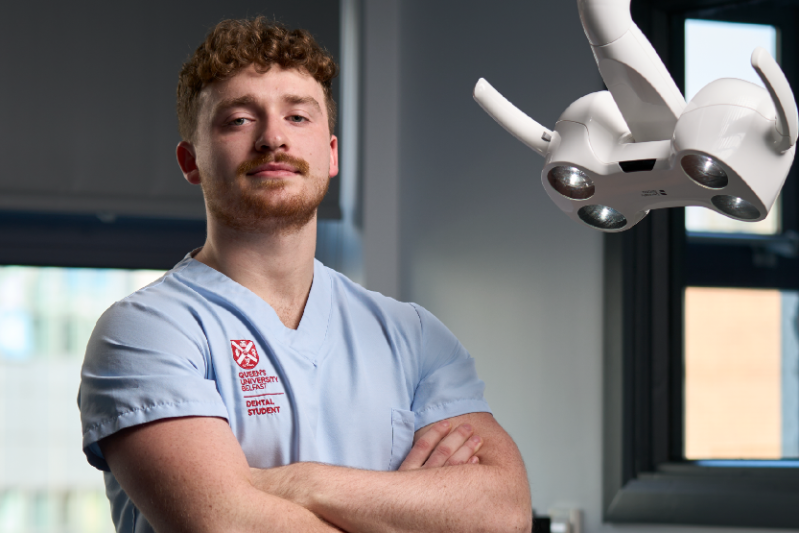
(739, 342)
(46, 317)
(741, 375)
(714, 50)
(681, 289)
(47, 312)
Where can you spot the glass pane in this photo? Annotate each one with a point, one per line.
(741, 373)
(699, 219)
(46, 318)
(716, 50)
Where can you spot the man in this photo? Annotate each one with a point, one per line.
(253, 389)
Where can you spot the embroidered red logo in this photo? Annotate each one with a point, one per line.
(244, 353)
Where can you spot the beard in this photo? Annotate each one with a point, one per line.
(260, 205)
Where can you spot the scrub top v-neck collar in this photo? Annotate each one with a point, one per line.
(309, 337)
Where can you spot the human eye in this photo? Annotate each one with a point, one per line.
(297, 119)
(241, 121)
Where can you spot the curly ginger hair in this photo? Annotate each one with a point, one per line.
(233, 45)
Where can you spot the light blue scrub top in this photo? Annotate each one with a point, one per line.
(348, 387)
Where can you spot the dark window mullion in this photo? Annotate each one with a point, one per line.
(663, 305)
(676, 348)
(642, 326)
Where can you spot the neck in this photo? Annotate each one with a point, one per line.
(275, 264)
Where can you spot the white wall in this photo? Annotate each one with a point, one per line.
(480, 244)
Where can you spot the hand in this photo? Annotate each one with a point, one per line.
(439, 446)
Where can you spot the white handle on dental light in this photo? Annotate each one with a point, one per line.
(777, 84)
(510, 117)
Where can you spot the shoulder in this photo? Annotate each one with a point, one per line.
(167, 304)
(407, 320)
(386, 309)
(148, 358)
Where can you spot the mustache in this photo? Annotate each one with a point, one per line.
(299, 164)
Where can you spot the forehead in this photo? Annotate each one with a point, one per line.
(274, 84)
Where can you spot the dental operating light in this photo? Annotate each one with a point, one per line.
(617, 154)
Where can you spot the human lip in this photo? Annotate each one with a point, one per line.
(273, 170)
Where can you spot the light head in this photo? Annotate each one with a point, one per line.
(615, 155)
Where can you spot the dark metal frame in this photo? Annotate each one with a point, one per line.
(69, 240)
(646, 478)
(38, 239)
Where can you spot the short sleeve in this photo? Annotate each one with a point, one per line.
(147, 359)
(448, 384)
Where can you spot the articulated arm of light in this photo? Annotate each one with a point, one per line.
(642, 87)
(512, 118)
(780, 91)
(604, 21)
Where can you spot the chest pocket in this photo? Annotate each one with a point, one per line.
(402, 429)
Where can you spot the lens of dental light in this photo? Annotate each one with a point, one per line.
(571, 182)
(736, 207)
(602, 217)
(704, 171)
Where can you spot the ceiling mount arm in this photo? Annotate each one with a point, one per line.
(642, 87)
(604, 21)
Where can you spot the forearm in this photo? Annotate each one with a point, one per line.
(256, 511)
(189, 475)
(464, 498)
(231, 509)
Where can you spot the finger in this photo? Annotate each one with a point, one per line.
(465, 452)
(422, 448)
(474, 460)
(449, 445)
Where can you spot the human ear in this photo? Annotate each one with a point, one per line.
(187, 160)
(333, 156)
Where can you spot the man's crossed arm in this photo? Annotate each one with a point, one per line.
(190, 474)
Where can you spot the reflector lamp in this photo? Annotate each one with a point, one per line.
(615, 155)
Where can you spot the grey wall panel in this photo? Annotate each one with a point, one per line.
(87, 114)
(483, 246)
(380, 142)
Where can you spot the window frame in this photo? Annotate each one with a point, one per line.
(645, 477)
(71, 240)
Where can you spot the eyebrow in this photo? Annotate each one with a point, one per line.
(249, 99)
(302, 100)
(245, 100)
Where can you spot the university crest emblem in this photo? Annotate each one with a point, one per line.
(244, 353)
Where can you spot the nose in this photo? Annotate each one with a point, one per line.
(272, 136)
